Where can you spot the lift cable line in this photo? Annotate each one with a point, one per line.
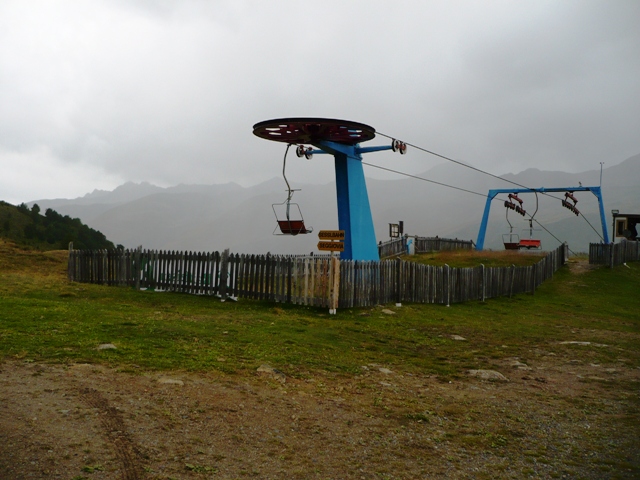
(461, 189)
(547, 230)
(592, 227)
(485, 173)
(484, 195)
(462, 164)
(425, 179)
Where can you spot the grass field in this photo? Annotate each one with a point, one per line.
(44, 319)
(473, 258)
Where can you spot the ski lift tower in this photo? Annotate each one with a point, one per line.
(340, 138)
(597, 191)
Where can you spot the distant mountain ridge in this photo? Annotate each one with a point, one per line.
(214, 217)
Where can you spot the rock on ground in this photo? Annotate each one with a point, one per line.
(488, 375)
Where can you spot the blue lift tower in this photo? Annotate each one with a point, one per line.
(340, 138)
(492, 194)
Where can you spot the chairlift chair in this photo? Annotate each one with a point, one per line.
(289, 218)
(531, 242)
(511, 240)
(288, 215)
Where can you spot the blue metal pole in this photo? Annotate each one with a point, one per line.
(354, 211)
(380, 148)
(598, 193)
(485, 219)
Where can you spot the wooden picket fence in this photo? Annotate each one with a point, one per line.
(321, 281)
(299, 280)
(435, 244)
(374, 283)
(398, 246)
(393, 247)
(614, 253)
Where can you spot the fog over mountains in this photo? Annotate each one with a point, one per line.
(215, 217)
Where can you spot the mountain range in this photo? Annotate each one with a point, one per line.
(219, 216)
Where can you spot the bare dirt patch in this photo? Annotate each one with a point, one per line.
(558, 416)
(578, 266)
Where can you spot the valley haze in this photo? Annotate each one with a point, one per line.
(219, 216)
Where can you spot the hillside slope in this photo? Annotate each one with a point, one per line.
(51, 231)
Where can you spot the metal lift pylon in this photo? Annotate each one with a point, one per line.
(492, 194)
(340, 138)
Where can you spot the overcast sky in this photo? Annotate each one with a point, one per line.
(96, 93)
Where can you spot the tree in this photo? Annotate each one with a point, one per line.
(35, 213)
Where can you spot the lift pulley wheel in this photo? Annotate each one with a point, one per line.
(398, 146)
(301, 151)
(312, 130)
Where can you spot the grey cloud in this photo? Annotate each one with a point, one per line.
(167, 92)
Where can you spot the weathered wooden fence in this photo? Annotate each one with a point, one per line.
(434, 244)
(316, 281)
(391, 248)
(398, 246)
(614, 254)
(373, 283)
(299, 280)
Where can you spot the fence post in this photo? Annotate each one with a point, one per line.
(447, 284)
(138, 268)
(224, 274)
(513, 272)
(483, 281)
(611, 245)
(70, 263)
(334, 290)
(533, 274)
(289, 278)
(398, 282)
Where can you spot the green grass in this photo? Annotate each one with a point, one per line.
(43, 317)
(473, 258)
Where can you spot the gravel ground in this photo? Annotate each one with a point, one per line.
(555, 416)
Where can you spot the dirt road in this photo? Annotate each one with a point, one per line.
(556, 417)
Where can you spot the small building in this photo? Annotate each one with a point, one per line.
(625, 225)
